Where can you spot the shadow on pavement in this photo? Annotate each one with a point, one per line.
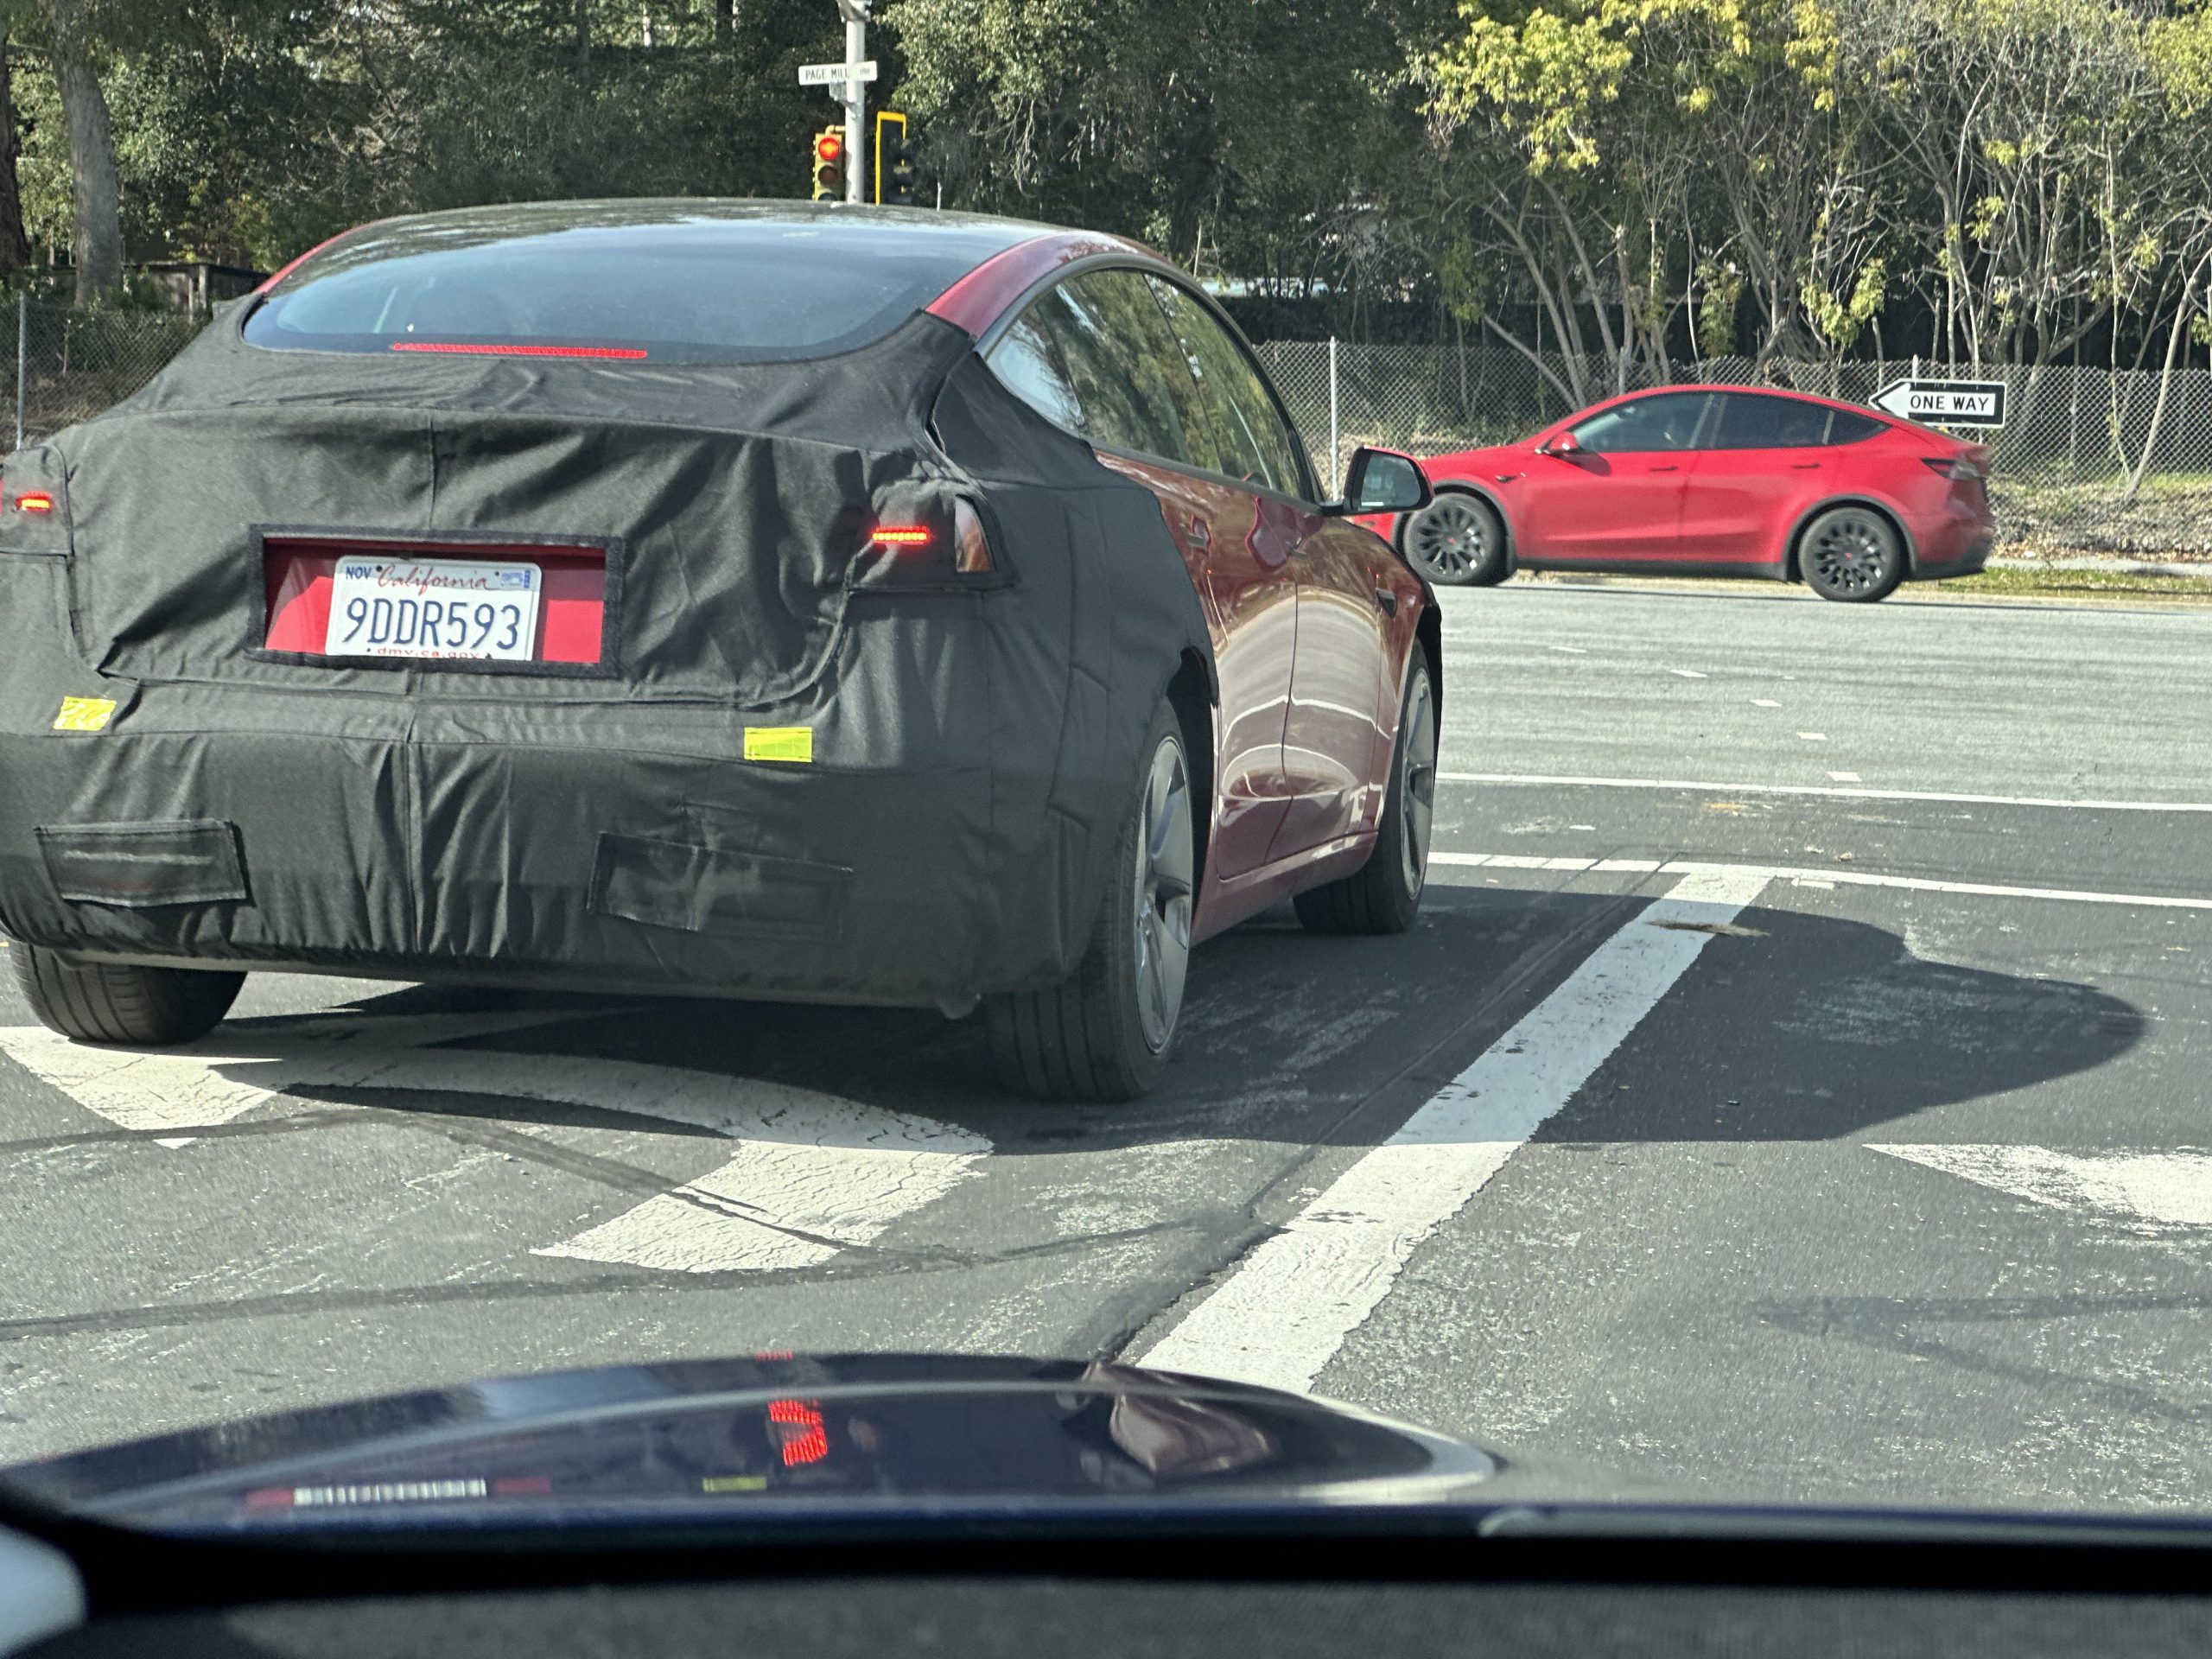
(1813, 1028)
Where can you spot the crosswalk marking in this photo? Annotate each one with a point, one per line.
(813, 1173)
(2160, 1189)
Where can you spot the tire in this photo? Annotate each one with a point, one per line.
(1383, 895)
(1456, 541)
(1852, 554)
(1104, 1032)
(112, 1003)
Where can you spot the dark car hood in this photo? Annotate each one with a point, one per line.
(699, 1440)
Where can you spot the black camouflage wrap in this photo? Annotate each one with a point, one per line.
(974, 747)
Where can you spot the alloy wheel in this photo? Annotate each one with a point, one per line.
(1165, 862)
(1449, 539)
(1851, 553)
(1417, 785)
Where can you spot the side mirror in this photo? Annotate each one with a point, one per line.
(1565, 447)
(1382, 481)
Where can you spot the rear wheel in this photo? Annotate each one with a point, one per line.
(1383, 896)
(112, 1002)
(1104, 1032)
(1457, 540)
(1852, 553)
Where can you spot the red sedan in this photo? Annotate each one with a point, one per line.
(1711, 481)
(741, 600)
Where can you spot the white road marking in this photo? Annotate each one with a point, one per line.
(1287, 1309)
(1765, 703)
(1844, 777)
(2169, 1189)
(812, 1173)
(1689, 673)
(1572, 651)
(1814, 737)
(1810, 878)
(1559, 782)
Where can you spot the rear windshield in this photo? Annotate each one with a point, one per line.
(683, 290)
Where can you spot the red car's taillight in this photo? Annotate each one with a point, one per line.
(1958, 468)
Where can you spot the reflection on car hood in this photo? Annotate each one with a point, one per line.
(856, 1435)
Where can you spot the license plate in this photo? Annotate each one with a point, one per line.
(435, 608)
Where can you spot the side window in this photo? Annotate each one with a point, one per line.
(1127, 372)
(1027, 358)
(1254, 443)
(1667, 420)
(1844, 426)
(1751, 420)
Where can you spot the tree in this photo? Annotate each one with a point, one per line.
(95, 242)
(15, 246)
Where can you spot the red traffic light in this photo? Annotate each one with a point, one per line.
(827, 146)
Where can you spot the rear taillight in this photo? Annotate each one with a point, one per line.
(922, 557)
(1958, 468)
(34, 501)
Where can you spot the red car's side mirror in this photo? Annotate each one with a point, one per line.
(1565, 446)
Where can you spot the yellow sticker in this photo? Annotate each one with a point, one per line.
(779, 743)
(85, 714)
(734, 1483)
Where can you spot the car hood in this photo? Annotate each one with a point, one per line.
(847, 1435)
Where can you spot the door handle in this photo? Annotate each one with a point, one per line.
(1804, 466)
(1201, 532)
(1388, 599)
(1671, 467)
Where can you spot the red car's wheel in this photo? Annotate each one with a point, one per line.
(1457, 540)
(1852, 553)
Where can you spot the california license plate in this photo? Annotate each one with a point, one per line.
(435, 608)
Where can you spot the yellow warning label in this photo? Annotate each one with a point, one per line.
(779, 743)
(83, 713)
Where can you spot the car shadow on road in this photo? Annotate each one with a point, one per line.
(1805, 1027)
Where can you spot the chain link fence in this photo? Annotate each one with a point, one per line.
(2090, 462)
(71, 361)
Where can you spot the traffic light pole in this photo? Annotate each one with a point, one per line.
(855, 15)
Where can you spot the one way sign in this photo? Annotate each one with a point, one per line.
(1945, 403)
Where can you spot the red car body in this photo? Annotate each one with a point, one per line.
(1743, 471)
(1314, 624)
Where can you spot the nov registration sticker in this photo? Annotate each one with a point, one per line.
(435, 609)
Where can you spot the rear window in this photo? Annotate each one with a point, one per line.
(701, 289)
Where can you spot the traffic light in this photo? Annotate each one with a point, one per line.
(829, 162)
(895, 159)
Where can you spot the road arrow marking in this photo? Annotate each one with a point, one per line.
(2142, 1189)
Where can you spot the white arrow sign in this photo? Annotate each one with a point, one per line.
(1944, 403)
(834, 74)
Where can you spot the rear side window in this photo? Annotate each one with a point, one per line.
(1251, 441)
(1750, 420)
(680, 291)
(1126, 369)
(1027, 358)
(1667, 420)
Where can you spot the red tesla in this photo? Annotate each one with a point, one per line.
(1711, 481)
(742, 599)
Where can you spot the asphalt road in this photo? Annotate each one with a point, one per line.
(1792, 1090)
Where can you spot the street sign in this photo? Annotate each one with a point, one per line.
(1944, 403)
(834, 74)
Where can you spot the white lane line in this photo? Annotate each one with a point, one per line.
(1553, 781)
(1845, 777)
(810, 1174)
(1689, 673)
(1814, 737)
(1765, 703)
(2170, 1189)
(1811, 877)
(1287, 1309)
(1572, 651)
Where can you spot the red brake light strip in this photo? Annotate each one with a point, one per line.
(498, 348)
(902, 534)
(34, 501)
